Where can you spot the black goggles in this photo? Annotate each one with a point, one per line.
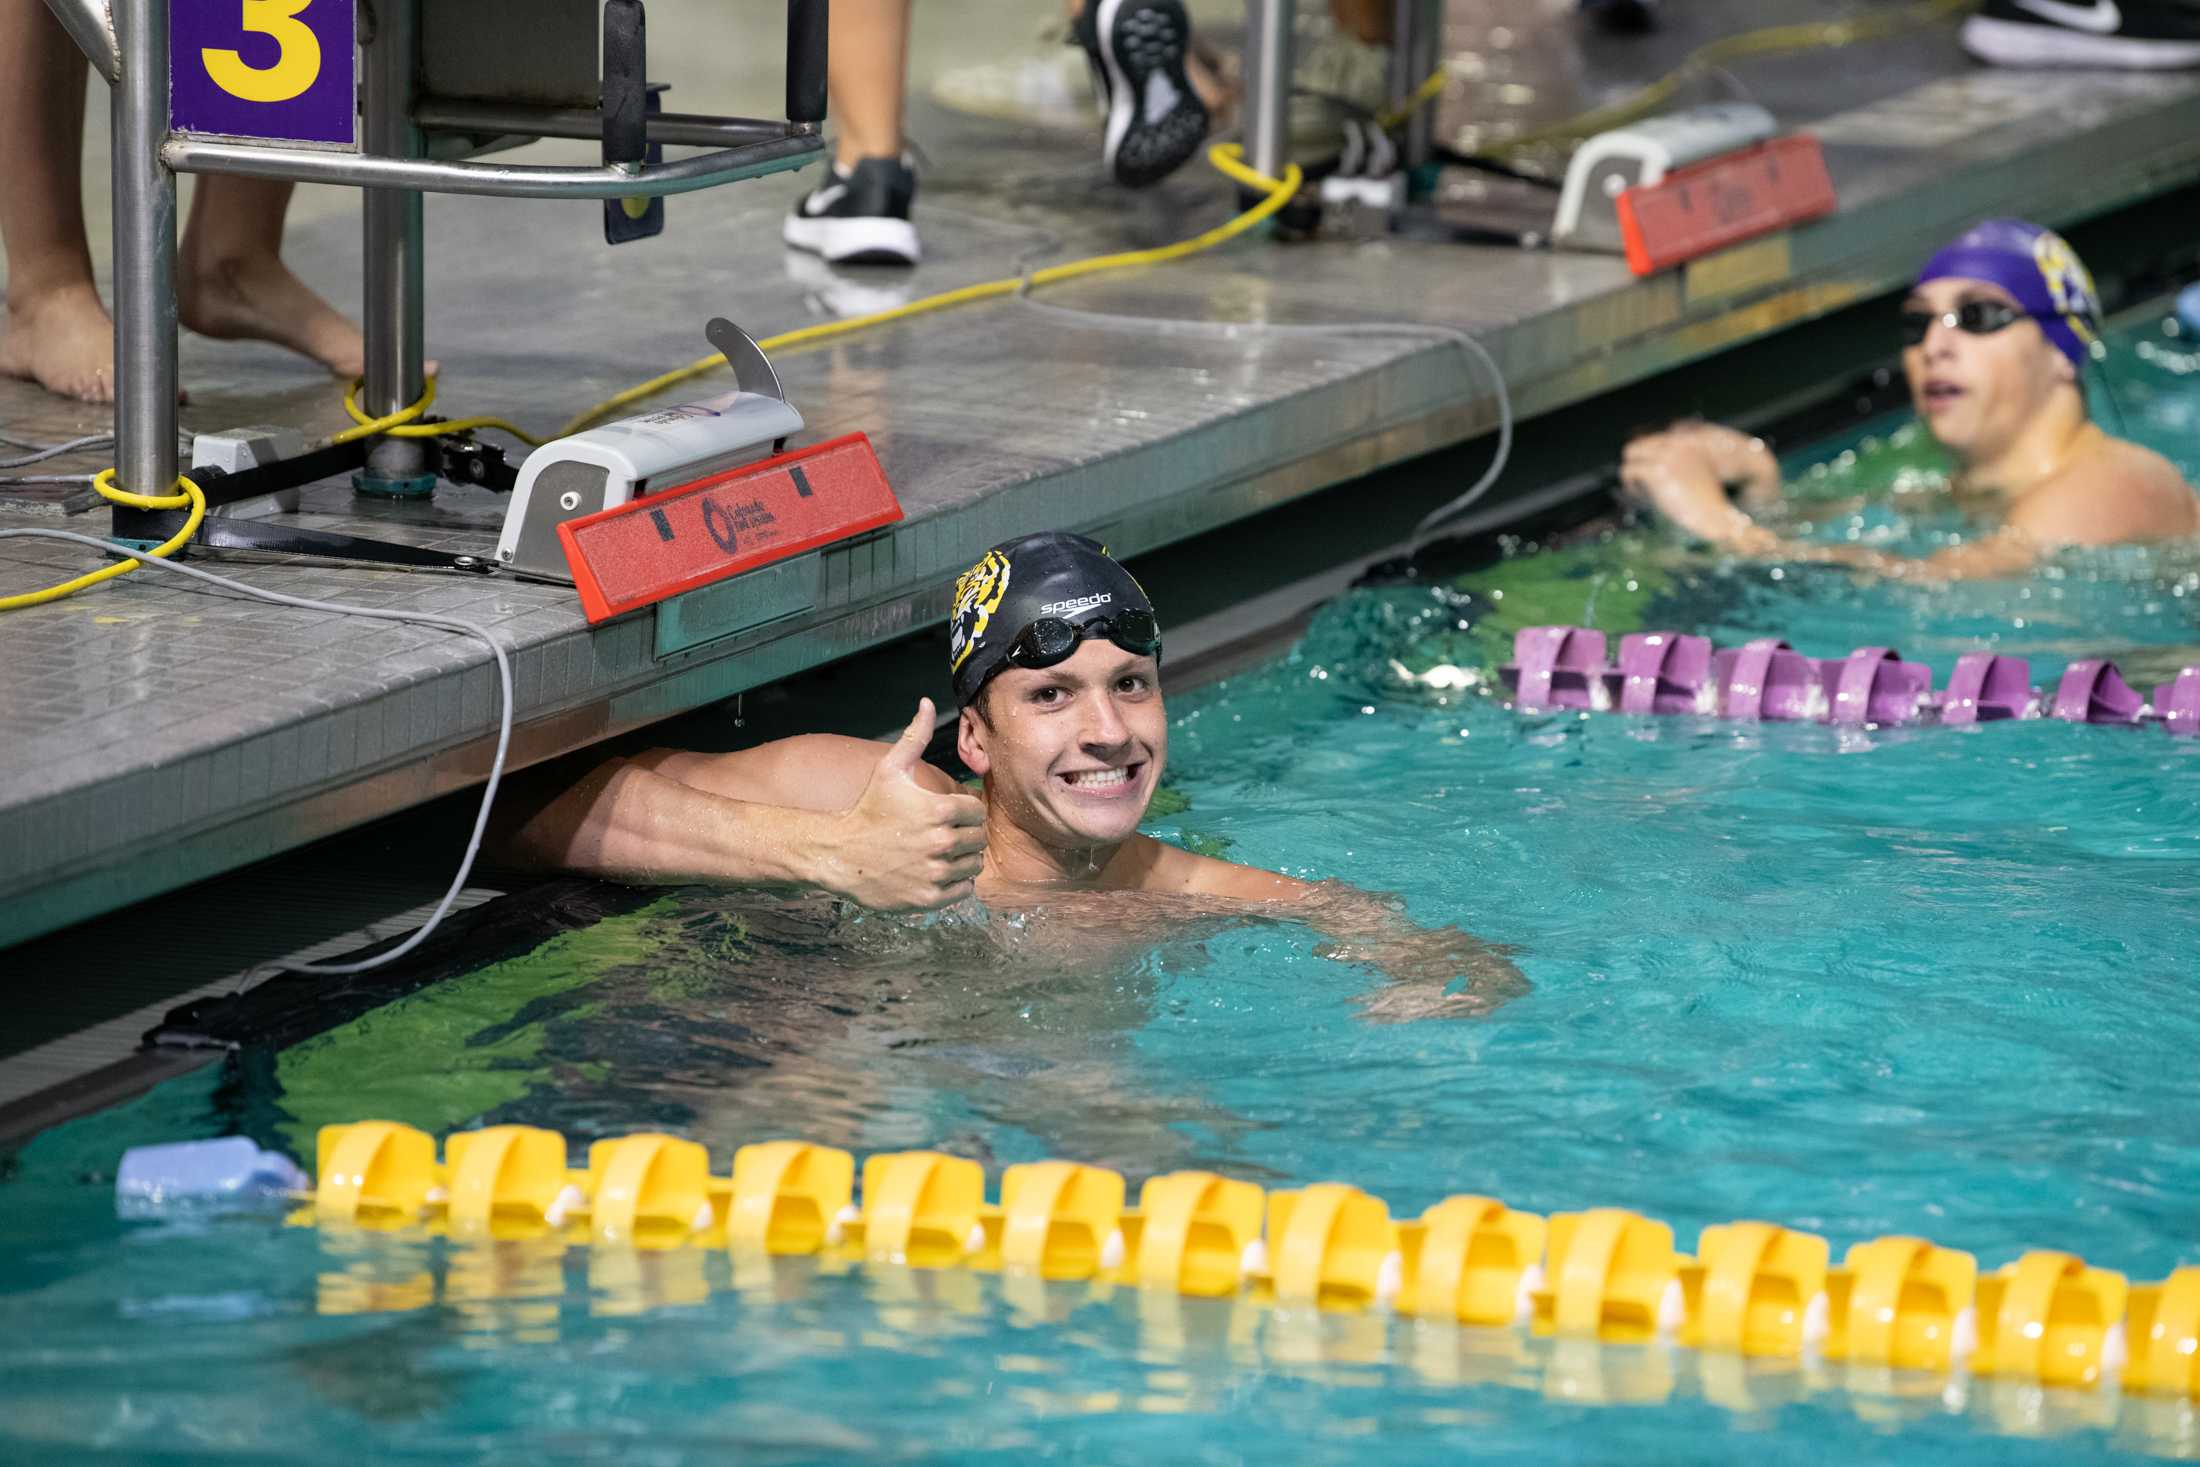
(1050, 639)
(1973, 318)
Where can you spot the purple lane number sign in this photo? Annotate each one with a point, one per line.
(277, 70)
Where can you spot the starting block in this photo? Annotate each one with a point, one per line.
(1671, 188)
(648, 507)
(1723, 202)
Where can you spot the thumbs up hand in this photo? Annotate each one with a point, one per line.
(902, 847)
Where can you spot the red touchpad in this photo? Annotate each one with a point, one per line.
(674, 540)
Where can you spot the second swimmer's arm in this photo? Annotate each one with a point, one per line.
(1679, 478)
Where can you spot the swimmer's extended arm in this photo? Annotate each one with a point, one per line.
(1426, 965)
(867, 821)
(1434, 971)
(1680, 480)
(2108, 493)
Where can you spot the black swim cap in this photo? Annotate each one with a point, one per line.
(1052, 573)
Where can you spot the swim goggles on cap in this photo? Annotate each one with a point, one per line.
(1973, 318)
(1050, 639)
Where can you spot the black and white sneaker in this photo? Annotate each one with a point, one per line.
(1155, 119)
(858, 216)
(2144, 34)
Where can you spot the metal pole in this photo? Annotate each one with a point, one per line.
(1268, 84)
(687, 129)
(145, 259)
(806, 27)
(491, 180)
(394, 315)
(1417, 34)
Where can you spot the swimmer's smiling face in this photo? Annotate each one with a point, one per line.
(1071, 754)
(1978, 393)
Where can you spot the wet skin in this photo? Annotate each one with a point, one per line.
(2007, 406)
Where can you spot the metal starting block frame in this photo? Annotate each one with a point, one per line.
(330, 91)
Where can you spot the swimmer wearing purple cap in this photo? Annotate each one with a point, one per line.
(1995, 337)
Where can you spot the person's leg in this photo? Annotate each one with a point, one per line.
(1366, 21)
(57, 334)
(231, 281)
(869, 50)
(859, 214)
(1203, 68)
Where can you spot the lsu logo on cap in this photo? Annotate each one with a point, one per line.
(2069, 283)
(978, 593)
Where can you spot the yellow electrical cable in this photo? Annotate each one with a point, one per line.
(368, 427)
(1226, 157)
(400, 424)
(1427, 92)
(104, 483)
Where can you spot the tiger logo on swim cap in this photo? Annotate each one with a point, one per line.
(2069, 283)
(978, 593)
(1060, 576)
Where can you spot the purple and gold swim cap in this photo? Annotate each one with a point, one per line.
(2038, 267)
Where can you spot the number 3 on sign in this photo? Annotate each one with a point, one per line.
(297, 60)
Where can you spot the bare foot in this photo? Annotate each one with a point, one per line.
(256, 298)
(64, 341)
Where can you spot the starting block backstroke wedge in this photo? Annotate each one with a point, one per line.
(651, 506)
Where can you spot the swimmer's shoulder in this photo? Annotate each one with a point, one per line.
(1159, 866)
(2113, 493)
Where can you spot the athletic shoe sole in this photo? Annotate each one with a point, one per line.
(1140, 42)
(859, 241)
(2020, 43)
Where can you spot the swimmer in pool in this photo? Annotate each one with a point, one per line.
(1055, 654)
(1995, 336)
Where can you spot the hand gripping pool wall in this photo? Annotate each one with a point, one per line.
(1900, 1315)
(1769, 681)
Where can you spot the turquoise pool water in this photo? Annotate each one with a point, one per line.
(1909, 980)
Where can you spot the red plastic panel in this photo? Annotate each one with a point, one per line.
(640, 552)
(1693, 211)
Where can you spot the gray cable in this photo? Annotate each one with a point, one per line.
(420, 618)
(39, 453)
(1231, 330)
